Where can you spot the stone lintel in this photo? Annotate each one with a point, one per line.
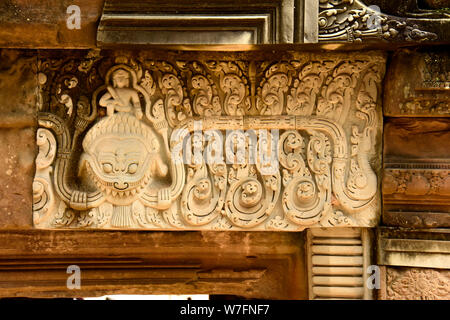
(253, 265)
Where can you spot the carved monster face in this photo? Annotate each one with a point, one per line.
(121, 164)
(121, 156)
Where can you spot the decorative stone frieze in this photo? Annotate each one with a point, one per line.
(17, 136)
(231, 143)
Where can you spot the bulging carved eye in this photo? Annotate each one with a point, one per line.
(132, 168)
(107, 167)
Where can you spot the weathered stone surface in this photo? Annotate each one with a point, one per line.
(416, 139)
(16, 175)
(418, 83)
(18, 88)
(337, 261)
(416, 284)
(248, 264)
(205, 22)
(17, 120)
(37, 24)
(416, 219)
(129, 139)
(43, 24)
(416, 174)
(413, 8)
(415, 248)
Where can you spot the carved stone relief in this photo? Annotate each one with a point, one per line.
(416, 197)
(416, 182)
(418, 84)
(417, 284)
(353, 21)
(416, 174)
(130, 141)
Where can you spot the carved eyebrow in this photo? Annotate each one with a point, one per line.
(106, 156)
(134, 156)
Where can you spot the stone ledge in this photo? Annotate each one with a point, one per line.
(250, 264)
(414, 248)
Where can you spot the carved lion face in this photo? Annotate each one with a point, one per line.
(120, 163)
(121, 156)
(121, 167)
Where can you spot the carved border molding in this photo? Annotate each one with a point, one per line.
(143, 22)
(324, 109)
(416, 195)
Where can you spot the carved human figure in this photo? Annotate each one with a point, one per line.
(120, 97)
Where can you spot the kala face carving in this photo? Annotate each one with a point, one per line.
(122, 156)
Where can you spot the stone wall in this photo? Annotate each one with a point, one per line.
(18, 96)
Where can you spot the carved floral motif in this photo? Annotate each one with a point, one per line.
(417, 284)
(416, 182)
(127, 143)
